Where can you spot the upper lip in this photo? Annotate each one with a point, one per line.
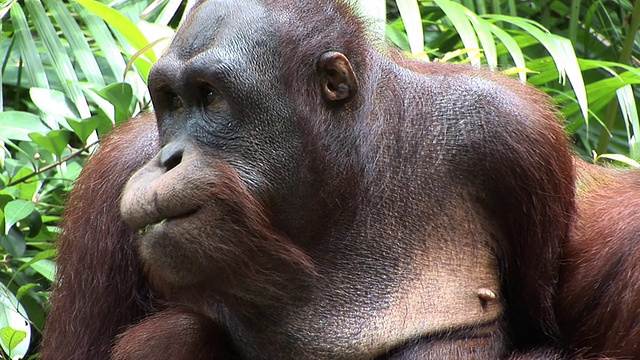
(160, 218)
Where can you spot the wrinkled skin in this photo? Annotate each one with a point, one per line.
(305, 195)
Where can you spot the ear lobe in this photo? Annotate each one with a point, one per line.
(337, 79)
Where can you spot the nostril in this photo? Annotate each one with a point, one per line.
(171, 155)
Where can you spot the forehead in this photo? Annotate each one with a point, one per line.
(228, 26)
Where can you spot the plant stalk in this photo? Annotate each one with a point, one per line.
(625, 58)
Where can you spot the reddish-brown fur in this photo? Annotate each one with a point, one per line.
(599, 295)
(199, 340)
(100, 287)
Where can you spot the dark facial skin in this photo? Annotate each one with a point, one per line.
(227, 121)
(315, 197)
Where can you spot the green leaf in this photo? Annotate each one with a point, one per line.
(121, 96)
(159, 36)
(171, 7)
(12, 192)
(572, 69)
(35, 223)
(27, 188)
(601, 92)
(4, 9)
(16, 125)
(15, 211)
(59, 57)
(23, 290)
(627, 103)
(13, 316)
(46, 268)
(53, 102)
(143, 66)
(562, 53)
(12, 337)
(78, 44)
(70, 173)
(483, 29)
(457, 14)
(398, 38)
(47, 233)
(512, 47)
(5, 198)
(121, 23)
(84, 128)
(28, 51)
(14, 242)
(410, 14)
(104, 39)
(55, 141)
(587, 64)
(43, 255)
(620, 158)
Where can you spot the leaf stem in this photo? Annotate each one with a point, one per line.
(625, 58)
(52, 165)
